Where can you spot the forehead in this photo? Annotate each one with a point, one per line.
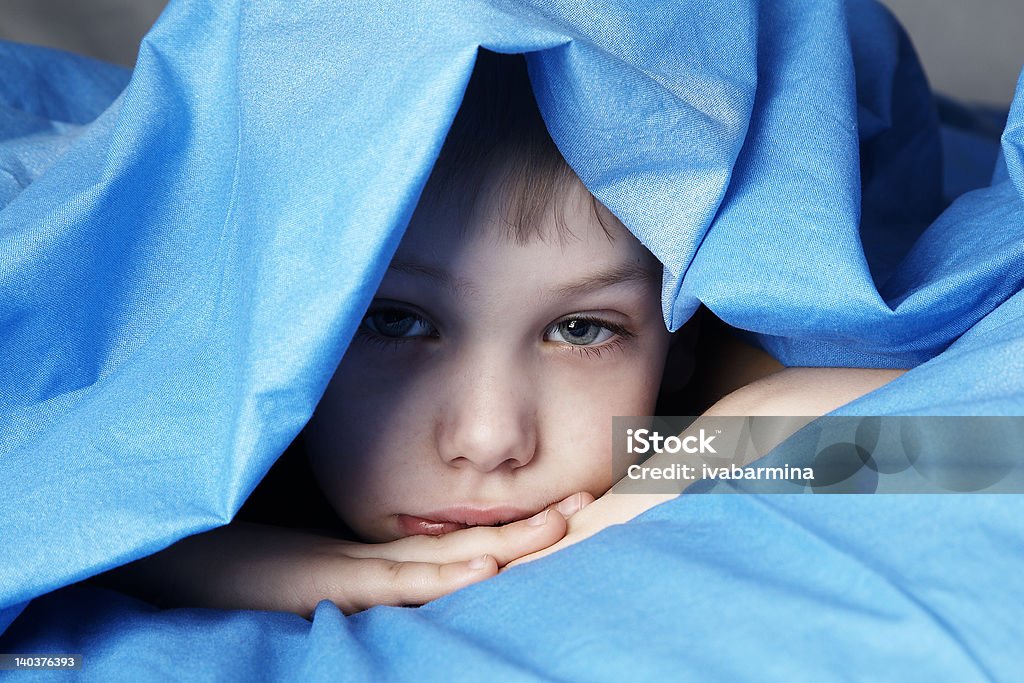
(450, 229)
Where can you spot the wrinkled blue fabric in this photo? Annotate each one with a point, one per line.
(184, 256)
(709, 588)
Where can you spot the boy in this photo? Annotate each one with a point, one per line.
(469, 417)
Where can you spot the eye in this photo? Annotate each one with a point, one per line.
(395, 323)
(580, 332)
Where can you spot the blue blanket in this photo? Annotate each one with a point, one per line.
(186, 250)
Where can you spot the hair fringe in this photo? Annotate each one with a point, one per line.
(499, 126)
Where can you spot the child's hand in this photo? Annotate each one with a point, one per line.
(607, 510)
(254, 566)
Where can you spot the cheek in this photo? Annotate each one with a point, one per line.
(576, 403)
(629, 384)
(575, 438)
(364, 431)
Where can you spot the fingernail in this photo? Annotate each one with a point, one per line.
(479, 562)
(538, 519)
(570, 505)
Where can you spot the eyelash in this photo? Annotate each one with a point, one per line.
(597, 351)
(384, 341)
(622, 335)
(387, 343)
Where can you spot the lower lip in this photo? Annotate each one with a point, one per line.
(418, 526)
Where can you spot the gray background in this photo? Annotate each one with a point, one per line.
(972, 49)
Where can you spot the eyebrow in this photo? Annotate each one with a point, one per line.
(624, 273)
(457, 286)
(621, 274)
(421, 269)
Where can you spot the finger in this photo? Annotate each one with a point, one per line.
(574, 503)
(373, 582)
(504, 543)
(543, 552)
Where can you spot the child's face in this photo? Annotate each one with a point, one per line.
(481, 385)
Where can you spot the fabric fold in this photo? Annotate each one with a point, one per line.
(185, 255)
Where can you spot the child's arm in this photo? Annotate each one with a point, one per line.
(255, 566)
(800, 392)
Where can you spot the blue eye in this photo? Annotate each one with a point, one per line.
(395, 323)
(579, 332)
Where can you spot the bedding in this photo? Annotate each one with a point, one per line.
(187, 248)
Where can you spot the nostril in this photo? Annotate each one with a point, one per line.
(488, 451)
(484, 426)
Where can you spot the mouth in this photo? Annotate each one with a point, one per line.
(440, 522)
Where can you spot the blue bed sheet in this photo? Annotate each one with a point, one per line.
(186, 250)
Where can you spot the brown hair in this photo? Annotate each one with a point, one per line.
(497, 126)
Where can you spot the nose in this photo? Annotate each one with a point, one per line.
(488, 422)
